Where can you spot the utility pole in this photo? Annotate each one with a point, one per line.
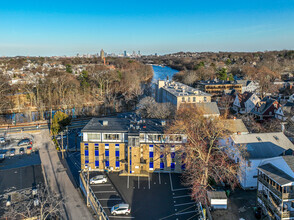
(62, 153)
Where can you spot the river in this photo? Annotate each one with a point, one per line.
(163, 72)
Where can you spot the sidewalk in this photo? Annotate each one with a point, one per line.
(58, 180)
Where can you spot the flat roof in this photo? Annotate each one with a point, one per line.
(124, 124)
(180, 89)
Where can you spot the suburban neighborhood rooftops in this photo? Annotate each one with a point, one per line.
(276, 174)
(236, 126)
(218, 82)
(264, 145)
(208, 108)
(290, 161)
(180, 89)
(124, 124)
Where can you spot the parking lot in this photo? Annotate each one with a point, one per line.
(160, 196)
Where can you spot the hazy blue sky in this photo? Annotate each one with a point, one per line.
(68, 27)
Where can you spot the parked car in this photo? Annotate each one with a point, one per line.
(2, 156)
(121, 209)
(12, 152)
(98, 179)
(25, 142)
(29, 149)
(2, 140)
(21, 150)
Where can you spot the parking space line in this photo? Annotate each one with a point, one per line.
(103, 185)
(121, 217)
(159, 178)
(111, 199)
(149, 181)
(138, 182)
(181, 189)
(104, 191)
(171, 183)
(176, 197)
(184, 213)
(188, 203)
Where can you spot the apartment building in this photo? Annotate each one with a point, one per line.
(179, 93)
(214, 87)
(275, 191)
(130, 145)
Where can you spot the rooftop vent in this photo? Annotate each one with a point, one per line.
(163, 123)
(276, 137)
(258, 138)
(104, 123)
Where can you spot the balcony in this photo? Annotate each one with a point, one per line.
(270, 207)
(143, 161)
(288, 195)
(287, 214)
(270, 187)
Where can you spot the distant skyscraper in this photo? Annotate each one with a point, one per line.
(139, 53)
(102, 54)
(125, 53)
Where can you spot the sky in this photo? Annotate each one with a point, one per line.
(64, 27)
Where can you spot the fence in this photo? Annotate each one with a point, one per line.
(93, 201)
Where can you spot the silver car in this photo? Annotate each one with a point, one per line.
(98, 179)
(121, 209)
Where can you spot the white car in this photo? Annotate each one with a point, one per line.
(2, 140)
(121, 209)
(98, 179)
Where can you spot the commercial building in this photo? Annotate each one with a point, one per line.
(130, 145)
(219, 87)
(275, 192)
(178, 93)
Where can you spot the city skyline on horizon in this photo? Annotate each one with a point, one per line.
(69, 27)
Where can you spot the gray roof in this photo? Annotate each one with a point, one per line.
(180, 89)
(276, 174)
(208, 108)
(123, 124)
(264, 145)
(217, 195)
(235, 125)
(289, 159)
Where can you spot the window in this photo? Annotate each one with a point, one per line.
(183, 99)
(96, 155)
(133, 142)
(205, 99)
(189, 99)
(175, 138)
(194, 99)
(142, 137)
(116, 155)
(255, 176)
(107, 155)
(151, 157)
(94, 137)
(155, 138)
(249, 163)
(112, 137)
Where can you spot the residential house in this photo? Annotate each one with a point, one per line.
(130, 145)
(265, 108)
(248, 85)
(245, 102)
(178, 93)
(257, 147)
(236, 126)
(275, 188)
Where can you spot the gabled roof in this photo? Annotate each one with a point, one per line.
(243, 98)
(263, 105)
(276, 174)
(264, 145)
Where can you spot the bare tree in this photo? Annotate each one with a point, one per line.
(43, 205)
(206, 162)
